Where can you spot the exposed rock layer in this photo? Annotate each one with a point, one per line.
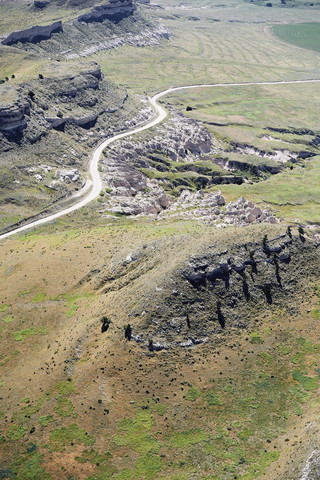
(77, 98)
(219, 290)
(115, 10)
(33, 34)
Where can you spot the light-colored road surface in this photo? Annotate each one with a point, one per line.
(161, 115)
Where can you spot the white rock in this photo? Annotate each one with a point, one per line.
(271, 220)
(250, 218)
(221, 200)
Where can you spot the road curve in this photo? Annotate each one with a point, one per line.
(161, 115)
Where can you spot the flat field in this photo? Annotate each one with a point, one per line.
(304, 35)
(213, 43)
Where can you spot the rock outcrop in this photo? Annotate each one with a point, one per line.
(211, 208)
(224, 288)
(115, 10)
(104, 27)
(13, 117)
(41, 3)
(78, 98)
(33, 34)
(130, 170)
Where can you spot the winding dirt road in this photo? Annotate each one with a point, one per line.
(161, 115)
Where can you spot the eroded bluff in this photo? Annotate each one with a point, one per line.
(29, 110)
(103, 27)
(216, 291)
(48, 126)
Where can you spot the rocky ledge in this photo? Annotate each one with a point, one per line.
(115, 10)
(13, 117)
(33, 34)
(33, 108)
(223, 289)
(211, 207)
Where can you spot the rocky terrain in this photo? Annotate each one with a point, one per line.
(171, 171)
(44, 103)
(212, 208)
(114, 10)
(47, 127)
(33, 34)
(213, 291)
(104, 27)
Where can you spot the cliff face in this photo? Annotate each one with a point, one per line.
(13, 117)
(33, 34)
(208, 295)
(223, 289)
(70, 98)
(115, 10)
(47, 103)
(103, 27)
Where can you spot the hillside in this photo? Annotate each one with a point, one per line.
(225, 390)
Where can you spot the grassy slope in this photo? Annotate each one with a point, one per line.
(212, 412)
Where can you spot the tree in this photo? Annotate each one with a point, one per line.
(289, 233)
(105, 324)
(128, 332)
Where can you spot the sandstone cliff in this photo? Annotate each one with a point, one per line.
(115, 10)
(104, 27)
(33, 34)
(76, 98)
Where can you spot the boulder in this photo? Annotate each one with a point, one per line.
(250, 218)
(220, 200)
(256, 211)
(41, 3)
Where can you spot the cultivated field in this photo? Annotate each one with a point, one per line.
(305, 35)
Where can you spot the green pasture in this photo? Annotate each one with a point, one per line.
(304, 35)
(226, 43)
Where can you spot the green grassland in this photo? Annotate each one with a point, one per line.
(234, 408)
(304, 35)
(227, 43)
